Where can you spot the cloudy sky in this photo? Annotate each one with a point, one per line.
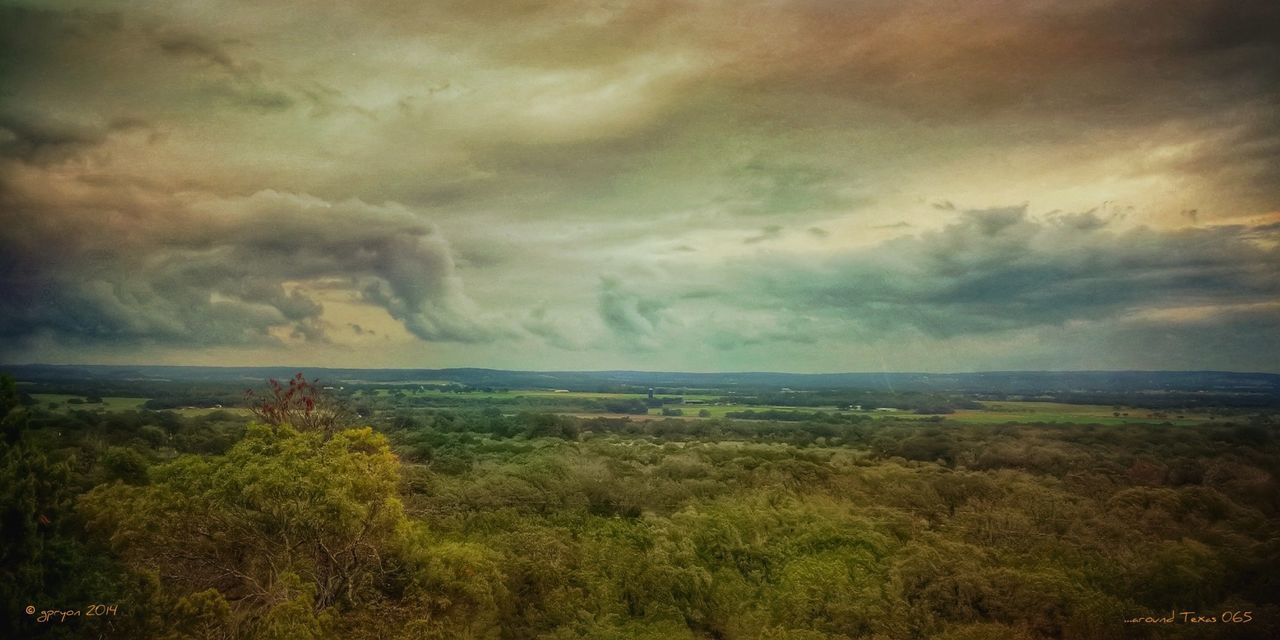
(792, 185)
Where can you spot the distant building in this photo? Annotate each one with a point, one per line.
(559, 391)
(650, 393)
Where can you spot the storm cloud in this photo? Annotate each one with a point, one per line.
(1000, 269)
(795, 185)
(223, 271)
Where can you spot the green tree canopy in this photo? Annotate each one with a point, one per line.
(284, 526)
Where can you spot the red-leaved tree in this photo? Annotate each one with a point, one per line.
(300, 403)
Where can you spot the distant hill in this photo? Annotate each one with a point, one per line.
(992, 382)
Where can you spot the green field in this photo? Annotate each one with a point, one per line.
(991, 413)
(513, 394)
(1027, 412)
(1001, 412)
(108, 403)
(191, 412)
(59, 402)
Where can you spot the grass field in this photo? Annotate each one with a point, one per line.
(994, 413)
(191, 412)
(990, 413)
(1024, 412)
(108, 403)
(533, 393)
(58, 402)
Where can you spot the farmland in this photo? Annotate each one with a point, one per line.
(698, 406)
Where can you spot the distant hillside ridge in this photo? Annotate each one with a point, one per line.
(1001, 382)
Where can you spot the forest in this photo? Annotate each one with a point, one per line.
(456, 512)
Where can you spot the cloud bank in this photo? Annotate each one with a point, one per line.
(795, 185)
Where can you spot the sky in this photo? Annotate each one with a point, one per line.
(714, 185)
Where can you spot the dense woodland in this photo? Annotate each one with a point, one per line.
(404, 520)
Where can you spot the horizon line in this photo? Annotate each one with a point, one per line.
(301, 368)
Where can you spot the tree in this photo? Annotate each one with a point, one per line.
(302, 404)
(283, 526)
(124, 464)
(40, 558)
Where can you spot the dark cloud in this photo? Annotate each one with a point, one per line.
(559, 140)
(540, 324)
(29, 34)
(107, 58)
(1245, 338)
(255, 97)
(35, 139)
(246, 87)
(999, 269)
(42, 139)
(634, 318)
(990, 58)
(195, 46)
(727, 336)
(225, 272)
(1083, 221)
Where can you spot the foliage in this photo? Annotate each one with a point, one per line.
(300, 403)
(283, 525)
(494, 519)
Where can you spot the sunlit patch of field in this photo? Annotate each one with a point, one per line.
(194, 412)
(722, 410)
(513, 394)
